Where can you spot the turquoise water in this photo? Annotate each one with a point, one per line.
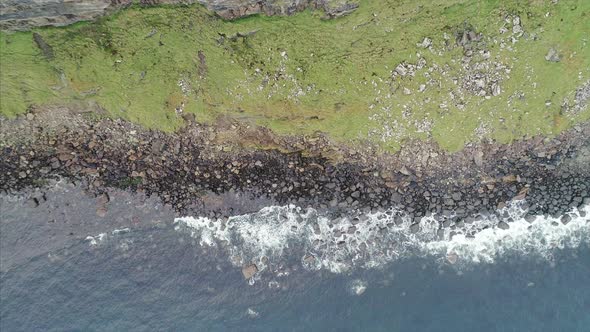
(158, 279)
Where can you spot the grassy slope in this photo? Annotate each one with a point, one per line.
(302, 74)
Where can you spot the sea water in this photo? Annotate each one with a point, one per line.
(361, 272)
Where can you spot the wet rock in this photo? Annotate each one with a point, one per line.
(452, 257)
(503, 225)
(103, 199)
(101, 211)
(249, 271)
(309, 259)
(316, 229)
(33, 202)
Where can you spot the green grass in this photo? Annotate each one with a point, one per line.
(332, 76)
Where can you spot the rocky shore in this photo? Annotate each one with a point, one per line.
(24, 15)
(202, 168)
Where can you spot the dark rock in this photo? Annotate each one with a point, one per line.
(503, 225)
(45, 48)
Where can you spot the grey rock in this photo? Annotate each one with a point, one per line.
(503, 225)
(426, 42)
(496, 90)
(26, 14)
(552, 55)
(401, 70)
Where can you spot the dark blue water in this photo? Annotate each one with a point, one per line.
(159, 280)
(156, 278)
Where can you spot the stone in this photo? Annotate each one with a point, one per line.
(401, 70)
(452, 257)
(308, 259)
(249, 271)
(426, 43)
(496, 90)
(103, 199)
(503, 225)
(101, 211)
(478, 158)
(404, 170)
(552, 55)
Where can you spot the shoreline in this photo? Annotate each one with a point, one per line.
(189, 171)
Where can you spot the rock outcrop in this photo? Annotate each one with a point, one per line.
(26, 14)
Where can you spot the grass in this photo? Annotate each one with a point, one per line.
(302, 74)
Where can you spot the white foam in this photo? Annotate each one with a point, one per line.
(358, 287)
(121, 231)
(96, 240)
(371, 240)
(541, 237)
(101, 238)
(252, 313)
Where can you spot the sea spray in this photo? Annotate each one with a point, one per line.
(277, 233)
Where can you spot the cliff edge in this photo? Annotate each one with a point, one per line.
(26, 14)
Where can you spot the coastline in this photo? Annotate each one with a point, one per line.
(189, 171)
(294, 165)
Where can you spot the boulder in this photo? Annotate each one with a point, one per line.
(552, 55)
(249, 271)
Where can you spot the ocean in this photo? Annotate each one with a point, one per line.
(142, 268)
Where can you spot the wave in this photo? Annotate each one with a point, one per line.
(371, 240)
